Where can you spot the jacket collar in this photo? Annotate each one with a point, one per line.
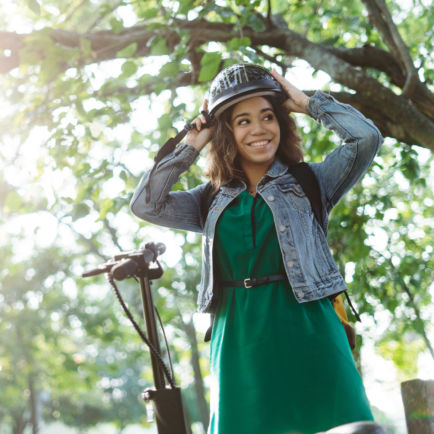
(276, 169)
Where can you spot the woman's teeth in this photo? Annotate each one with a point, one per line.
(258, 144)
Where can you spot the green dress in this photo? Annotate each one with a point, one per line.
(277, 366)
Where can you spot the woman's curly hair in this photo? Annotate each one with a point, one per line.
(223, 161)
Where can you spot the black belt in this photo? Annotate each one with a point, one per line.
(251, 282)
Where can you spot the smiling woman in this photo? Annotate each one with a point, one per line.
(257, 136)
(267, 272)
(224, 158)
(255, 125)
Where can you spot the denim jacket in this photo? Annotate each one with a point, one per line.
(308, 262)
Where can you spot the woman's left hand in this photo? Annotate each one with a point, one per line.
(199, 136)
(297, 100)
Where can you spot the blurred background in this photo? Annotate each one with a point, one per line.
(90, 90)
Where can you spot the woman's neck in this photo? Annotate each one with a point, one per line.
(254, 173)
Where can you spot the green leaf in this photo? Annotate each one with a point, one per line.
(185, 6)
(80, 210)
(236, 43)
(80, 108)
(116, 25)
(123, 175)
(159, 46)
(105, 207)
(13, 202)
(129, 68)
(164, 122)
(128, 51)
(170, 69)
(255, 23)
(148, 13)
(210, 65)
(34, 6)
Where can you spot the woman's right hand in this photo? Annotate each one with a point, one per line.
(198, 137)
(297, 101)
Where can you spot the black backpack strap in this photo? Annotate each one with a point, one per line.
(308, 181)
(353, 309)
(171, 144)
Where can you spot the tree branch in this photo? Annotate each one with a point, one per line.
(103, 15)
(419, 127)
(269, 22)
(408, 120)
(73, 11)
(382, 20)
(92, 247)
(182, 79)
(113, 234)
(373, 57)
(272, 59)
(386, 124)
(13, 42)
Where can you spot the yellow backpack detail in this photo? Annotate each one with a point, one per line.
(338, 304)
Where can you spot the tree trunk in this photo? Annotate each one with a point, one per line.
(20, 424)
(33, 404)
(418, 399)
(30, 382)
(198, 379)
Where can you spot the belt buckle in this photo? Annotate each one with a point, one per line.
(247, 283)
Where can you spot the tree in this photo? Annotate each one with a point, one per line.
(361, 48)
(51, 370)
(79, 78)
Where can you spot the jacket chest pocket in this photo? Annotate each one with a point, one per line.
(219, 203)
(294, 196)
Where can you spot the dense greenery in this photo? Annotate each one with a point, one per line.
(91, 89)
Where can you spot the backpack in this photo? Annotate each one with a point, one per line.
(305, 176)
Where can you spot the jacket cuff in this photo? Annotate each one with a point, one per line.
(186, 151)
(183, 155)
(315, 101)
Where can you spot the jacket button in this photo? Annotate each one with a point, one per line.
(271, 198)
(282, 228)
(290, 264)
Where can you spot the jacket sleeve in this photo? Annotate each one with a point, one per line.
(343, 167)
(154, 201)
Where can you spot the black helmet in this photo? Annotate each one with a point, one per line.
(239, 82)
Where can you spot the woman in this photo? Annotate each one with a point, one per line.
(280, 361)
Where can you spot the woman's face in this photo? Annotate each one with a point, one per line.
(256, 132)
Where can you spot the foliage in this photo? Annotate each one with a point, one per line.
(84, 113)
